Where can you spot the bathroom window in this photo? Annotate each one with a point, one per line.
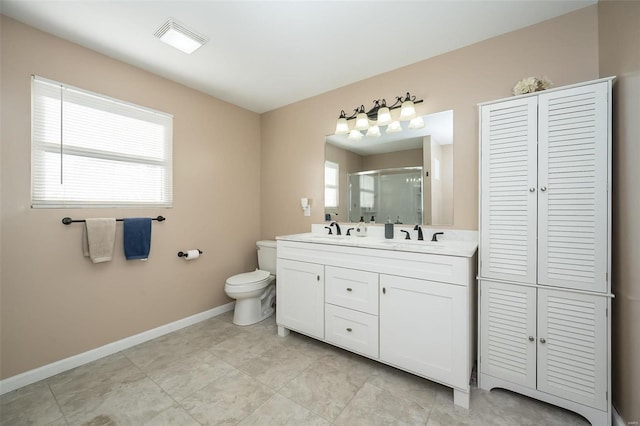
(367, 191)
(331, 179)
(89, 150)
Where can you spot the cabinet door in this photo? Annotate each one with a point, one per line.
(300, 297)
(509, 190)
(423, 328)
(573, 181)
(508, 332)
(572, 347)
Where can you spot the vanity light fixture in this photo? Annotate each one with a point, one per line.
(379, 116)
(178, 36)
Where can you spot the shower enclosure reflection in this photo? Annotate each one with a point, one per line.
(389, 195)
(406, 177)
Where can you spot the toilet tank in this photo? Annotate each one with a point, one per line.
(267, 256)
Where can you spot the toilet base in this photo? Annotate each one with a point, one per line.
(255, 309)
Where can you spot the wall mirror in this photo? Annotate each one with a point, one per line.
(406, 177)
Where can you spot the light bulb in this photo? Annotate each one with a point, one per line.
(362, 121)
(374, 131)
(407, 111)
(354, 135)
(416, 123)
(394, 127)
(384, 116)
(342, 127)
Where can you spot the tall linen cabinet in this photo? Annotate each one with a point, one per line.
(545, 247)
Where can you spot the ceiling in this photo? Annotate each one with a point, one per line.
(262, 55)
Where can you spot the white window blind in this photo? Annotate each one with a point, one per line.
(331, 176)
(88, 150)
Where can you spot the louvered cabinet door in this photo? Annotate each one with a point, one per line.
(508, 332)
(508, 186)
(572, 347)
(573, 180)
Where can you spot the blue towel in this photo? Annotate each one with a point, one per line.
(137, 237)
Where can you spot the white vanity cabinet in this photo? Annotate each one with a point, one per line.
(412, 310)
(545, 247)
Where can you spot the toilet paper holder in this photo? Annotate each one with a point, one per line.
(185, 254)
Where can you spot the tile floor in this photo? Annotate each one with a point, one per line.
(215, 373)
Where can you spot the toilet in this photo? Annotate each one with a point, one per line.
(255, 292)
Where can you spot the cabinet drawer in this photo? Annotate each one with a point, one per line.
(352, 289)
(352, 330)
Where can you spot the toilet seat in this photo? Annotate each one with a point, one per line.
(248, 282)
(248, 278)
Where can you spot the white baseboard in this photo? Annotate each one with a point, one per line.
(23, 379)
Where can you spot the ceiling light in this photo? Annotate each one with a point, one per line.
(379, 115)
(180, 37)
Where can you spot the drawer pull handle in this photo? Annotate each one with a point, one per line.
(384, 290)
(531, 339)
(318, 277)
(349, 289)
(349, 329)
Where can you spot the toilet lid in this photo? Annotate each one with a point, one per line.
(248, 277)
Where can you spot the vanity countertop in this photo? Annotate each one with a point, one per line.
(460, 248)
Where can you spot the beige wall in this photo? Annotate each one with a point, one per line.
(565, 49)
(619, 37)
(390, 160)
(56, 303)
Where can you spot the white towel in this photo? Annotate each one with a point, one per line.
(98, 239)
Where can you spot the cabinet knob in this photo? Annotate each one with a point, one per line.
(531, 339)
(384, 290)
(349, 289)
(318, 277)
(349, 329)
(543, 188)
(532, 189)
(542, 340)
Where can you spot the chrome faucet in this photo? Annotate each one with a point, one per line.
(419, 229)
(338, 231)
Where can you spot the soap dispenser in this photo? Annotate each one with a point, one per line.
(361, 228)
(388, 229)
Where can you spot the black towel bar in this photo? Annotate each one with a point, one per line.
(68, 220)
